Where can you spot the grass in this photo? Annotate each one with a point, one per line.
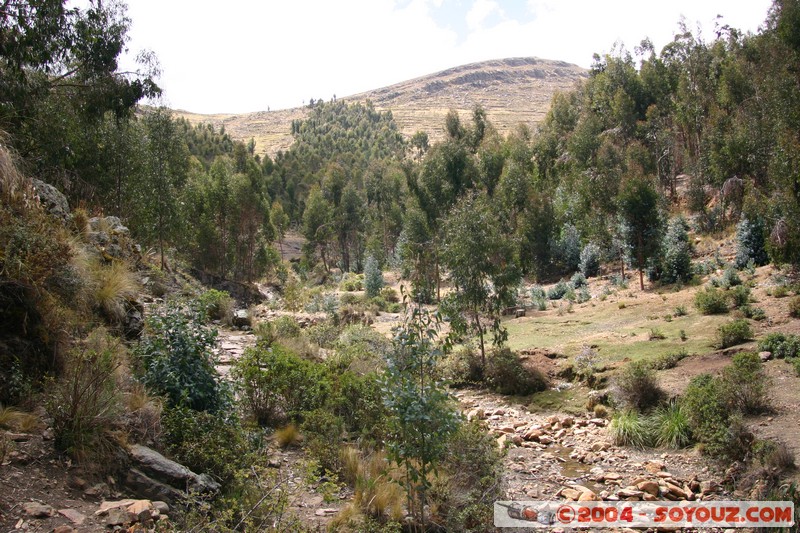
(288, 436)
(628, 428)
(671, 427)
(17, 420)
(115, 285)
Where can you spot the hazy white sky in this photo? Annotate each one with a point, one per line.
(248, 55)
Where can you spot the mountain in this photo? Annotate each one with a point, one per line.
(512, 91)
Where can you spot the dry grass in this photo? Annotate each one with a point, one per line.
(144, 414)
(376, 493)
(18, 420)
(288, 436)
(16, 190)
(115, 285)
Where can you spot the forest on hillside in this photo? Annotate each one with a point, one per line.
(701, 137)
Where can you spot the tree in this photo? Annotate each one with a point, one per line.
(317, 227)
(281, 222)
(373, 277)
(677, 261)
(641, 221)
(421, 413)
(480, 258)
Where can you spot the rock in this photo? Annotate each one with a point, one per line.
(65, 529)
(498, 412)
(73, 515)
(38, 510)
(600, 446)
(51, 199)
(654, 467)
(97, 491)
(676, 491)
(107, 506)
(476, 414)
(587, 496)
(507, 429)
(545, 439)
(502, 440)
(533, 434)
(48, 434)
(147, 487)
(157, 467)
(630, 492)
(325, 512)
(765, 356)
(612, 476)
(599, 422)
(118, 517)
(133, 323)
(570, 493)
(552, 420)
(77, 482)
(142, 510)
(161, 507)
(241, 318)
(650, 487)
(517, 440)
(567, 421)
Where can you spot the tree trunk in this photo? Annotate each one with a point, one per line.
(480, 335)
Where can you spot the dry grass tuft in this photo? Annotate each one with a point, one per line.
(17, 420)
(288, 436)
(115, 285)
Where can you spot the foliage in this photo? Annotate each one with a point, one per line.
(668, 360)
(711, 301)
(557, 291)
(505, 373)
(276, 385)
(781, 345)
(671, 426)
(744, 384)
(175, 359)
(216, 305)
(733, 333)
(636, 386)
(578, 280)
(286, 327)
(586, 365)
(739, 296)
(373, 277)
(205, 442)
(750, 243)
(640, 221)
(323, 432)
(590, 260)
(629, 428)
(794, 307)
(85, 403)
(421, 415)
(676, 264)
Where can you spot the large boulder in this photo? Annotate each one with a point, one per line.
(51, 198)
(154, 476)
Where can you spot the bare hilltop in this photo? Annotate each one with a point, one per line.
(512, 91)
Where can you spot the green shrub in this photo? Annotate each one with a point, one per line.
(323, 434)
(557, 291)
(472, 471)
(794, 307)
(733, 333)
(754, 313)
(373, 277)
(505, 374)
(286, 327)
(739, 296)
(590, 260)
(796, 364)
(781, 345)
(351, 282)
(744, 384)
(750, 243)
(324, 334)
(628, 428)
(680, 311)
(358, 400)
(586, 365)
(205, 442)
(668, 360)
(390, 295)
(671, 426)
(636, 386)
(216, 305)
(711, 301)
(537, 293)
(352, 299)
(361, 349)
(730, 278)
(676, 265)
(462, 367)
(176, 360)
(86, 401)
(276, 385)
(578, 280)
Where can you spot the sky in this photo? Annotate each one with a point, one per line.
(239, 56)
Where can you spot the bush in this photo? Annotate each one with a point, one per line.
(358, 400)
(628, 428)
(324, 334)
(739, 296)
(462, 367)
(750, 243)
(176, 360)
(390, 295)
(206, 442)
(677, 261)
(276, 385)
(351, 282)
(557, 291)
(586, 365)
(730, 278)
(794, 307)
(115, 287)
(286, 327)
(636, 386)
(361, 349)
(373, 277)
(733, 333)
(711, 301)
(470, 480)
(671, 426)
(505, 374)
(568, 249)
(216, 305)
(781, 345)
(590, 260)
(668, 360)
(744, 384)
(323, 432)
(85, 403)
(578, 280)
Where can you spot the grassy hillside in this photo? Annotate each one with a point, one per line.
(512, 91)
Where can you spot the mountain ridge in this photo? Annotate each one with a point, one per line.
(511, 90)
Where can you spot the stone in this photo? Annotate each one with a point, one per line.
(141, 509)
(161, 507)
(570, 493)
(498, 412)
(51, 199)
(612, 476)
(147, 487)
(650, 487)
(654, 467)
(630, 492)
(157, 467)
(517, 440)
(107, 506)
(241, 318)
(38, 510)
(545, 439)
(73, 515)
(507, 429)
(533, 434)
(587, 496)
(502, 440)
(599, 422)
(97, 491)
(118, 517)
(600, 446)
(476, 414)
(64, 529)
(325, 512)
(676, 491)
(765, 356)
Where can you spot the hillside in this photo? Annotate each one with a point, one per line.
(512, 91)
